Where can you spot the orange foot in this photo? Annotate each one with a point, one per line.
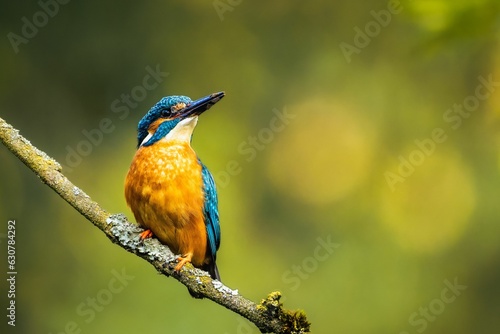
(183, 260)
(146, 234)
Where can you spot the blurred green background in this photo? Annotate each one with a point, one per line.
(368, 127)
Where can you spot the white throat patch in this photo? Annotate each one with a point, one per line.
(183, 130)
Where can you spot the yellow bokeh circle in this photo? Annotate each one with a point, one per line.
(324, 155)
(431, 208)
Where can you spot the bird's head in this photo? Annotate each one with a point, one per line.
(173, 116)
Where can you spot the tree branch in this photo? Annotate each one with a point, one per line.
(269, 315)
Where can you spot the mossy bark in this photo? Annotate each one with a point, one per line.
(269, 316)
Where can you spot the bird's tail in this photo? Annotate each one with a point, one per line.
(213, 271)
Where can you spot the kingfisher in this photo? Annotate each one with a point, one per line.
(170, 191)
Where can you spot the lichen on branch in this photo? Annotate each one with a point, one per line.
(269, 316)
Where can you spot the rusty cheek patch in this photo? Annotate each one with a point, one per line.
(156, 124)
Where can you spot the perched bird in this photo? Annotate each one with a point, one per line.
(170, 191)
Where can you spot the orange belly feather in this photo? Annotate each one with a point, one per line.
(164, 189)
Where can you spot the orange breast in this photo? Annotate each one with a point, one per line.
(164, 189)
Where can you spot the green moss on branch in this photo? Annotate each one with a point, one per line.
(269, 316)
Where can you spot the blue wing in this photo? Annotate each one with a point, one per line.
(211, 213)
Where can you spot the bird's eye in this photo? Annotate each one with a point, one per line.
(165, 113)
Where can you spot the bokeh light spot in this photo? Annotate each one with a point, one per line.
(322, 157)
(430, 210)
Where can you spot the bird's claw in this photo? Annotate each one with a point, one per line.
(146, 234)
(183, 260)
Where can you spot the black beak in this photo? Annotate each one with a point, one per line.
(197, 107)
